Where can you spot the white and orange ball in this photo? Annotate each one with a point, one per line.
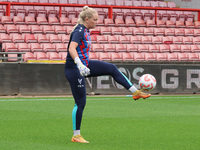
(147, 82)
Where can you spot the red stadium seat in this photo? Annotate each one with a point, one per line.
(11, 28)
(97, 47)
(189, 32)
(112, 39)
(146, 40)
(150, 56)
(138, 56)
(180, 24)
(172, 57)
(53, 56)
(115, 31)
(12, 57)
(93, 56)
(197, 24)
(47, 29)
(119, 22)
(29, 56)
(187, 40)
(74, 21)
(41, 38)
(193, 57)
(115, 57)
(131, 48)
(174, 48)
(195, 48)
(140, 23)
(183, 56)
(65, 21)
(41, 21)
(105, 30)
(150, 23)
(29, 20)
(159, 31)
(126, 56)
(154, 48)
(126, 31)
(64, 38)
(124, 39)
(104, 57)
(53, 21)
(109, 47)
(143, 48)
(63, 55)
(100, 22)
(5, 38)
(185, 48)
(35, 29)
(101, 39)
(17, 38)
(129, 22)
(179, 32)
(157, 39)
(109, 22)
(2, 29)
(169, 32)
(164, 48)
(6, 20)
(170, 24)
(48, 47)
(196, 40)
(23, 29)
(178, 40)
(167, 39)
(9, 47)
(120, 48)
(95, 31)
(161, 56)
(135, 39)
(160, 23)
(138, 31)
(23, 47)
(148, 31)
(61, 47)
(35, 47)
(59, 30)
(53, 38)
(40, 56)
(18, 20)
(68, 29)
(196, 32)
(189, 24)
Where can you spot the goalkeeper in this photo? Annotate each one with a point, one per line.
(78, 66)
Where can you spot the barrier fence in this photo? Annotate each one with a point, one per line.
(49, 79)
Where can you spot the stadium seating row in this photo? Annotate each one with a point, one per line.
(144, 31)
(63, 21)
(118, 39)
(118, 56)
(34, 47)
(152, 3)
(138, 38)
(140, 48)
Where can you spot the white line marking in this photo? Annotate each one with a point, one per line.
(97, 98)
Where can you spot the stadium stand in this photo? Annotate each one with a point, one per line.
(131, 34)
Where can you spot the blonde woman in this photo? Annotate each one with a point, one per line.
(78, 65)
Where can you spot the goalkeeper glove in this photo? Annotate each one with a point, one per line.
(84, 71)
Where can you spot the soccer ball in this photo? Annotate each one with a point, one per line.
(147, 82)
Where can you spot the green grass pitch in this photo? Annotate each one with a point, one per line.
(109, 123)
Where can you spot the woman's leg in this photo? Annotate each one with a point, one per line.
(77, 83)
(98, 68)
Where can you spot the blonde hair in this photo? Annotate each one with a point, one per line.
(86, 12)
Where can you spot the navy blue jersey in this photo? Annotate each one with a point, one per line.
(81, 35)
